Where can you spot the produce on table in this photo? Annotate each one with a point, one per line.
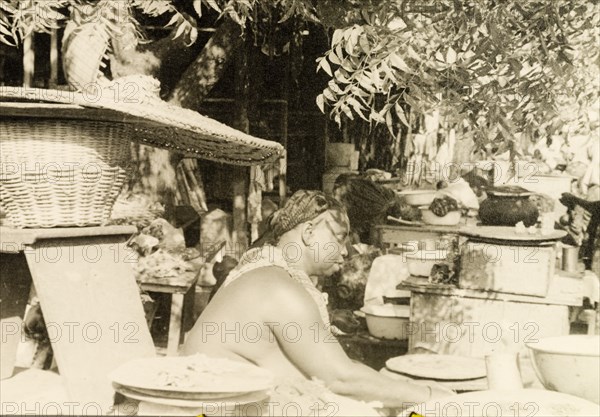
(404, 211)
(161, 264)
(161, 251)
(366, 202)
(543, 202)
(443, 205)
(447, 271)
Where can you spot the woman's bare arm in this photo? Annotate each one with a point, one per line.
(316, 352)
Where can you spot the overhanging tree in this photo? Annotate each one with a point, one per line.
(498, 70)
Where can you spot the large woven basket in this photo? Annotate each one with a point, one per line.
(60, 172)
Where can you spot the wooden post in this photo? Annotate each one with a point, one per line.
(254, 194)
(282, 178)
(53, 82)
(28, 61)
(240, 174)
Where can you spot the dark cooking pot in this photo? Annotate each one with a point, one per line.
(507, 206)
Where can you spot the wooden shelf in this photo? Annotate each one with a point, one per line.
(14, 240)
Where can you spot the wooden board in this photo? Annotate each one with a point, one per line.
(525, 270)
(14, 240)
(508, 234)
(387, 236)
(455, 325)
(564, 290)
(93, 311)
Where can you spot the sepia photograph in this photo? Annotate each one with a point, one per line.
(385, 208)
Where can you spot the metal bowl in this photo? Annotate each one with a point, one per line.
(568, 364)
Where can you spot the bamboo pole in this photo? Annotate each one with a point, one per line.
(53, 82)
(28, 61)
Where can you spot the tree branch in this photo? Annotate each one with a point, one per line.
(206, 70)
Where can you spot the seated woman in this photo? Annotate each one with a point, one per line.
(269, 312)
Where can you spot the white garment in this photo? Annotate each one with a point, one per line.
(591, 287)
(386, 273)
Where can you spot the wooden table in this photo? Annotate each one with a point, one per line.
(89, 297)
(388, 236)
(182, 289)
(466, 322)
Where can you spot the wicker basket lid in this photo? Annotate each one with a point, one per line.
(135, 100)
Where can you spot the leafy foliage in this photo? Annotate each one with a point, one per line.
(19, 18)
(496, 68)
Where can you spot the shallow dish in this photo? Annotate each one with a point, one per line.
(438, 367)
(421, 262)
(192, 374)
(387, 321)
(418, 197)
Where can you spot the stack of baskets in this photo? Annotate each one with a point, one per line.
(60, 172)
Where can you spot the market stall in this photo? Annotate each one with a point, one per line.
(488, 282)
(64, 159)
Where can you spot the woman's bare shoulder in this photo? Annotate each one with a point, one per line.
(272, 285)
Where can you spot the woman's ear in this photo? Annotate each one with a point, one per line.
(307, 233)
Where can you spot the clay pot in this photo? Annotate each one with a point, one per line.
(507, 206)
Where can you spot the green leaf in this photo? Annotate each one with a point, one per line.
(347, 111)
(329, 95)
(198, 7)
(399, 63)
(334, 87)
(363, 42)
(339, 77)
(389, 123)
(321, 103)
(347, 65)
(358, 108)
(334, 58)
(376, 117)
(450, 56)
(353, 39)
(174, 19)
(338, 35)
(214, 5)
(180, 30)
(338, 119)
(289, 13)
(400, 114)
(326, 67)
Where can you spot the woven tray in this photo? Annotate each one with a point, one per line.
(61, 172)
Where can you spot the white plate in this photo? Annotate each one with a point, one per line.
(438, 367)
(177, 395)
(192, 374)
(223, 403)
(526, 402)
